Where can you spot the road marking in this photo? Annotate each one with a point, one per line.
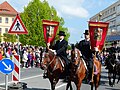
(32, 77)
(57, 87)
(25, 78)
(2, 87)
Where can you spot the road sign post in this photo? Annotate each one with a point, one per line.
(6, 82)
(17, 27)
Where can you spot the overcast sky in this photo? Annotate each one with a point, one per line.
(76, 13)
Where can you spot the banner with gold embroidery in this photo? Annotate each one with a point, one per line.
(98, 32)
(49, 30)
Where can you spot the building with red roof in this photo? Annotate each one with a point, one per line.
(7, 15)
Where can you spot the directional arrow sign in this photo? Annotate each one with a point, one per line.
(6, 66)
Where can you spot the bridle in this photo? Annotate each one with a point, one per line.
(49, 63)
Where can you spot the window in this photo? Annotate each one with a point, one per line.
(6, 20)
(113, 8)
(0, 19)
(0, 31)
(12, 19)
(6, 30)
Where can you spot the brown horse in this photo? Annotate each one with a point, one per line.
(53, 65)
(78, 70)
(96, 76)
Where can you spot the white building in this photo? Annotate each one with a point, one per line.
(112, 15)
(7, 15)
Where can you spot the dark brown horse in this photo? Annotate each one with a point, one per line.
(78, 70)
(54, 67)
(96, 76)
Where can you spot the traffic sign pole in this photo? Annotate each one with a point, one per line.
(6, 81)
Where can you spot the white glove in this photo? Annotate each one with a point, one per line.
(96, 49)
(48, 45)
(53, 51)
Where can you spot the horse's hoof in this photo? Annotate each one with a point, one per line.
(111, 85)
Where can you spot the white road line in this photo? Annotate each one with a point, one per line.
(57, 87)
(32, 77)
(2, 88)
(60, 86)
(25, 78)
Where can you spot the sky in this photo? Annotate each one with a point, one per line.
(76, 13)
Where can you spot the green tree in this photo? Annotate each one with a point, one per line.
(32, 17)
(9, 37)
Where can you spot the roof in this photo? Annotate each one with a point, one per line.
(113, 38)
(7, 9)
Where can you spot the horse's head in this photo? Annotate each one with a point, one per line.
(75, 56)
(47, 58)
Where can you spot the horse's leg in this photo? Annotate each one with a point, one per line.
(69, 85)
(114, 77)
(118, 79)
(78, 84)
(53, 83)
(109, 77)
(96, 80)
(91, 85)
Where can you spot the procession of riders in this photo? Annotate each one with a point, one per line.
(91, 52)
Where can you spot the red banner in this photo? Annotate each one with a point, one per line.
(50, 30)
(98, 32)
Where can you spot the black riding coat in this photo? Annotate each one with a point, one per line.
(113, 50)
(61, 48)
(84, 47)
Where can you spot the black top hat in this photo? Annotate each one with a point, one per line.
(61, 33)
(86, 32)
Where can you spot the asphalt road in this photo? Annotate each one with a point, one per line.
(33, 78)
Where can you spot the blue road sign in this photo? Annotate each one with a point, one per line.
(6, 66)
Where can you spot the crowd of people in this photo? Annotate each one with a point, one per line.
(29, 55)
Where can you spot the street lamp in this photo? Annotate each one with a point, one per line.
(99, 16)
(52, 15)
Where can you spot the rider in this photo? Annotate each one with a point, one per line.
(60, 49)
(112, 50)
(84, 47)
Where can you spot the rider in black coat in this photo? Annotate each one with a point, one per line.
(111, 57)
(84, 47)
(61, 47)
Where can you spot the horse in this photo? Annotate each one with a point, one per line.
(54, 66)
(96, 76)
(77, 69)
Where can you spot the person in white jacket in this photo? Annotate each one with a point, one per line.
(25, 59)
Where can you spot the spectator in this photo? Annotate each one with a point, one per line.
(25, 59)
